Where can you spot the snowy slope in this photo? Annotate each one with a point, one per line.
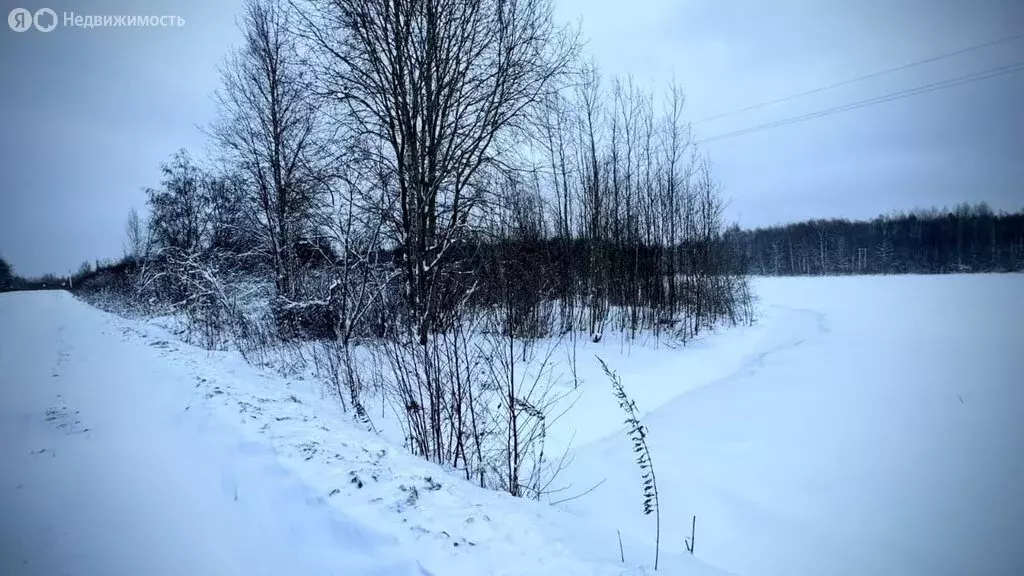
(876, 426)
(125, 452)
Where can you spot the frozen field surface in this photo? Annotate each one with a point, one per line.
(866, 425)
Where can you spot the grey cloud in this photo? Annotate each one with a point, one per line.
(89, 115)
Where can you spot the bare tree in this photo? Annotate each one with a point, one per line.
(268, 131)
(591, 175)
(823, 255)
(524, 380)
(136, 236)
(436, 89)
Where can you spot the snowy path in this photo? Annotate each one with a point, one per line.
(103, 470)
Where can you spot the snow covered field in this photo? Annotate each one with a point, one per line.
(864, 426)
(871, 425)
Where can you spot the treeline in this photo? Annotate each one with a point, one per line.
(402, 182)
(969, 238)
(10, 281)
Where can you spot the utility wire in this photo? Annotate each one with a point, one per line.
(965, 79)
(865, 77)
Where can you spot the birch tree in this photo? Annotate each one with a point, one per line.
(267, 130)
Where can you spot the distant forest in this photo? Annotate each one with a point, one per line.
(932, 241)
(10, 280)
(969, 238)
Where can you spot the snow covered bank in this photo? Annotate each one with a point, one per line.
(126, 452)
(108, 469)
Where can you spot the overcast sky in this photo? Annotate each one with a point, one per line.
(88, 115)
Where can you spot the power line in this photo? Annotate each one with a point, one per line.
(965, 79)
(865, 77)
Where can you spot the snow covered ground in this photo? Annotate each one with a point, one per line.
(869, 425)
(864, 426)
(125, 452)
